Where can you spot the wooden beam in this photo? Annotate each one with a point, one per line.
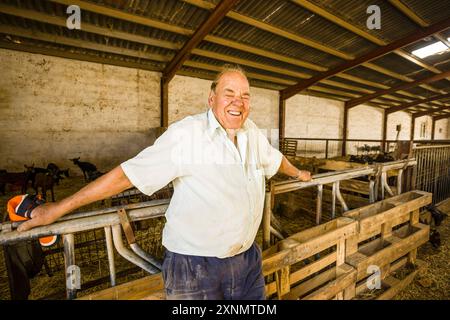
(413, 123)
(429, 112)
(61, 21)
(411, 38)
(409, 13)
(275, 30)
(206, 27)
(404, 86)
(416, 102)
(444, 116)
(350, 27)
(42, 36)
(75, 56)
(122, 15)
(87, 27)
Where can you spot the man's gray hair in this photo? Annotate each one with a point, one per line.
(227, 68)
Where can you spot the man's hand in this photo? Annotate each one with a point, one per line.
(304, 175)
(41, 216)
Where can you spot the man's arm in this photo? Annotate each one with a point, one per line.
(290, 170)
(109, 184)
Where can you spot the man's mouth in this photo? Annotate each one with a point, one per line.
(234, 113)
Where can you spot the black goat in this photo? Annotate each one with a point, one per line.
(87, 168)
(435, 238)
(57, 173)
(437, 215)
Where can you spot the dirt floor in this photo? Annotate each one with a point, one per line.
(433, 284)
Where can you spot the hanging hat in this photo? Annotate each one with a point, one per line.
(19, 209)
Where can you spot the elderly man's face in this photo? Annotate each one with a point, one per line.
(231, 100)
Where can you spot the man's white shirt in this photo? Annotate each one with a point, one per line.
(219, 189)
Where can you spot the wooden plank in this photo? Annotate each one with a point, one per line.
(307, 249)
(305, 272)
(136, 289)
(309, 285)
(282, 281)
(397, 249)
(397, 285)
(345, 279)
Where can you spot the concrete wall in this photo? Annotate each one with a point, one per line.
(422, 128)
(443, 126)
(399, 118)
(53, 109)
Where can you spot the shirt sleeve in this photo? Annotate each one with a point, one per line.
(270, 158)
(157, 165)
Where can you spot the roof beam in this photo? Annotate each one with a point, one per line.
(42, 36)
(75, 56)
(404, 86)
(206, 27)
(275, 30)
(417, 102)
(119, 14)
(409, 13)
(28, 14)
(444, 116)
(428, 112)
(61, 21)
(417, 35)
(350, 27)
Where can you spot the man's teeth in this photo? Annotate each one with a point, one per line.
(234, 113)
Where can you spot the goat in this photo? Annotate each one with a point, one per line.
(44, 181)
(15, 178)
(57, 173)
(86, 167)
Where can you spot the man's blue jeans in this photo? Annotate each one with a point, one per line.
(208, 278)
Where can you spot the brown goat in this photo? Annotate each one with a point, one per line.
(45, 182)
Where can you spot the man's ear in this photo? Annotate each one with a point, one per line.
(211, 98)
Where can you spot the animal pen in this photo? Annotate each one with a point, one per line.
(366, 215)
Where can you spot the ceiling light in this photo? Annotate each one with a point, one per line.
(430, 49)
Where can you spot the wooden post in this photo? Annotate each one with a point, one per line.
(164, 103)
(413, 122)
(281, 120)
(266, 221)
(383, 143)
(433, 127)
(344, 131)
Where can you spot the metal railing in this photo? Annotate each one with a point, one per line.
(329, 148)
(433, 170)
(377, 184)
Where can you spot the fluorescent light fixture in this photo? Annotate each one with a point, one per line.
(430, 49)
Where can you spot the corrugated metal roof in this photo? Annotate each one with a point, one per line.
(237, 31)
(394, 25)
(289, 16)
(253, 57)
(430, 11)
(397, 64)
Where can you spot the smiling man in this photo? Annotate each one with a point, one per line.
(218, 162)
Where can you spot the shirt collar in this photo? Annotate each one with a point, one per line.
(213, 124)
